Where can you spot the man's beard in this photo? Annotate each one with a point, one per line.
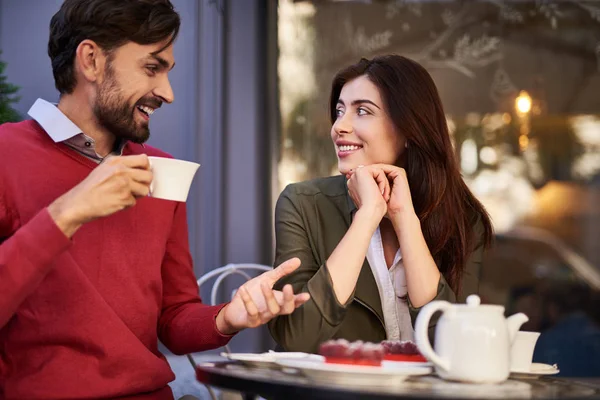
(114, 113)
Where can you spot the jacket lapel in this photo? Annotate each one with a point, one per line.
(367, 293)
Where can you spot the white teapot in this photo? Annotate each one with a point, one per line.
(472, 341)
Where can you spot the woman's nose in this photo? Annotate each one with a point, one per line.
(342, 125)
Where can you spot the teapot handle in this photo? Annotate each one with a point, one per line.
(422, 337)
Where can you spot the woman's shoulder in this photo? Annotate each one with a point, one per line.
(331, 186)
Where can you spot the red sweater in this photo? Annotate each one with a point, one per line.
(80, 318)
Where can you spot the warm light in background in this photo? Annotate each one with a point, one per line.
(469, 157)
(488, 155)
(523, 102)
(523, 142)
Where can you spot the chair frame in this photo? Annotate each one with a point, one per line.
(222, 273)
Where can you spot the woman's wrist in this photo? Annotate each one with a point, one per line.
(405, 221)
(368, 216)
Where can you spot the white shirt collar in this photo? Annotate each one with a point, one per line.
(58, 126)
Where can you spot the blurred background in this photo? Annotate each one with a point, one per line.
(520, 83)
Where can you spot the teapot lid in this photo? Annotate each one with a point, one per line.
(473, 302)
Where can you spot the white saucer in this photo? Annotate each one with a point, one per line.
(536, 370)
(388, 374)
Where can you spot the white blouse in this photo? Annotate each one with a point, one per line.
(392, 288)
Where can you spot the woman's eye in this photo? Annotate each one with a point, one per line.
(362, 111)
(339, 112)
(151, 69)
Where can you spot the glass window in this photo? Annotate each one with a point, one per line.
(520, 83)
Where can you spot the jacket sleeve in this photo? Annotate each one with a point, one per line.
(318, 319)
(469, 284)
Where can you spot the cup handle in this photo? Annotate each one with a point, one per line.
(151, 186)
(421, 334)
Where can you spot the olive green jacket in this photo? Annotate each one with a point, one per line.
(310, 220)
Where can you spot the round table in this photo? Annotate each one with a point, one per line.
(273, 383)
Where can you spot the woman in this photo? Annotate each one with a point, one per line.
(397, 229)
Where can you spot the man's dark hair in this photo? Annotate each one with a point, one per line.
(109, 23)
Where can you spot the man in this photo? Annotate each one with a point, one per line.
(92, 271)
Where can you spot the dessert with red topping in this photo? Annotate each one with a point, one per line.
(402, 350)
(342, 351)
(357, 353)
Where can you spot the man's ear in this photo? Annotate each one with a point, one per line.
(90, 61)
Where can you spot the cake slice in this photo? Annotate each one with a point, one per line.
(402, 350)
(357, 353)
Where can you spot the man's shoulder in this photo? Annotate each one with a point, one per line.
(331, 186)
(9, 129)
(14, 133)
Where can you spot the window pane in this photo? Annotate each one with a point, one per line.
(520, 83)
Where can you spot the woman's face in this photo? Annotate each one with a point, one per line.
(363, 132)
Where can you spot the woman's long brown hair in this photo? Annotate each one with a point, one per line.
(444, 204)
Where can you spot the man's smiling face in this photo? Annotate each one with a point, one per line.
(135, 84)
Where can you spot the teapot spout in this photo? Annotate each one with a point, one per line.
(514, 323)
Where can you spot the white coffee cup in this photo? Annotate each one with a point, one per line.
(172, 178)
(521, 351)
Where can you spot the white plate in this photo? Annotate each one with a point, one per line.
(269, 359)
(536, 370)
(406, 363)
(356, 375)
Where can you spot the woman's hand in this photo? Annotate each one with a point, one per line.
(400, 201)
(369, 188)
